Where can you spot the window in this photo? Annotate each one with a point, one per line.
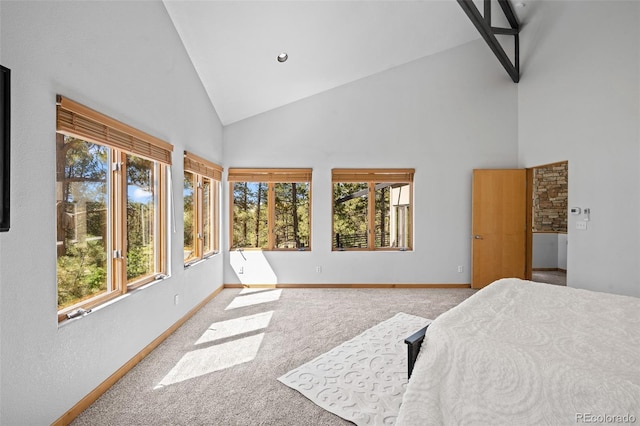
(110, 207)
(372, 209)
(201, 194)
(270, 208)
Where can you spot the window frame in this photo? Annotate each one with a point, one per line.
(371, 177)
(270, 176)
(78, 121)
(202, 170)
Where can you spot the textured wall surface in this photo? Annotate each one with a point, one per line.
(550, 198)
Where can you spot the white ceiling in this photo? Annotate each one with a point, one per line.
(234, 45)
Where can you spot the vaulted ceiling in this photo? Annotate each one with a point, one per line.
(234, 45)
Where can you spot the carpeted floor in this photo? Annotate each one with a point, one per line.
(550, 277)
(221, 367)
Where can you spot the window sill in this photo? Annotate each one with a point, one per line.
(377, 250)
(194, 262)
(306, 249)
(198, 261)
(63, 320)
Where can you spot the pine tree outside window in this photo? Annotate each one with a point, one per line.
(270, 209)
(372, 209)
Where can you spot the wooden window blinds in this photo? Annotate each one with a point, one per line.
(79, 121)
(269, 175)
(195, 164)
(372, 175)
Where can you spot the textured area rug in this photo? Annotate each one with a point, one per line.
(361, 380)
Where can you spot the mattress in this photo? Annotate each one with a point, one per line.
(519, 352)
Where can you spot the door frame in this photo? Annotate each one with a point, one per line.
(528, 243)
(528, 271)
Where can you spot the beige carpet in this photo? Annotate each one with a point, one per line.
(550, 277)
(221, 367)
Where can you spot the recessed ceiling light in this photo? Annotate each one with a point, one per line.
(283, 57)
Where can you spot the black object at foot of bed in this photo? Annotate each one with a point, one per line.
(414, 342)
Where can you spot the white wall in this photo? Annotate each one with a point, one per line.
(444, 115)
(549, 250)
(578, 100)
(545, 250)
(125, 60)
(563, 248)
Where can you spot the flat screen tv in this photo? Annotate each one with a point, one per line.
(5, 145)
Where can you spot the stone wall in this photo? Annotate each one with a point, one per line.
(550, 198)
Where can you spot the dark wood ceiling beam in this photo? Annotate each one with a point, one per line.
(483, 25)
(487, 12)
(505, 31)
(509, 14)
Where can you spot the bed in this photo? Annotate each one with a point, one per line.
(519, 352)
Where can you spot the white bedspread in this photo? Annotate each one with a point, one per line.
(523, 353)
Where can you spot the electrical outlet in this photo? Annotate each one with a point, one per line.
(176, 299)
(318, 269)
(460, 268)
(581, 224)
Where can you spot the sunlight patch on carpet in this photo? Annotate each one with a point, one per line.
(249, 290)
(235, 327)
(254, 299)
(214, 358)
(362, 380)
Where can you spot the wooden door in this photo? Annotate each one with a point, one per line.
(498, 225)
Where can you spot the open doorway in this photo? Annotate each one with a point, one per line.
(549, 217)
